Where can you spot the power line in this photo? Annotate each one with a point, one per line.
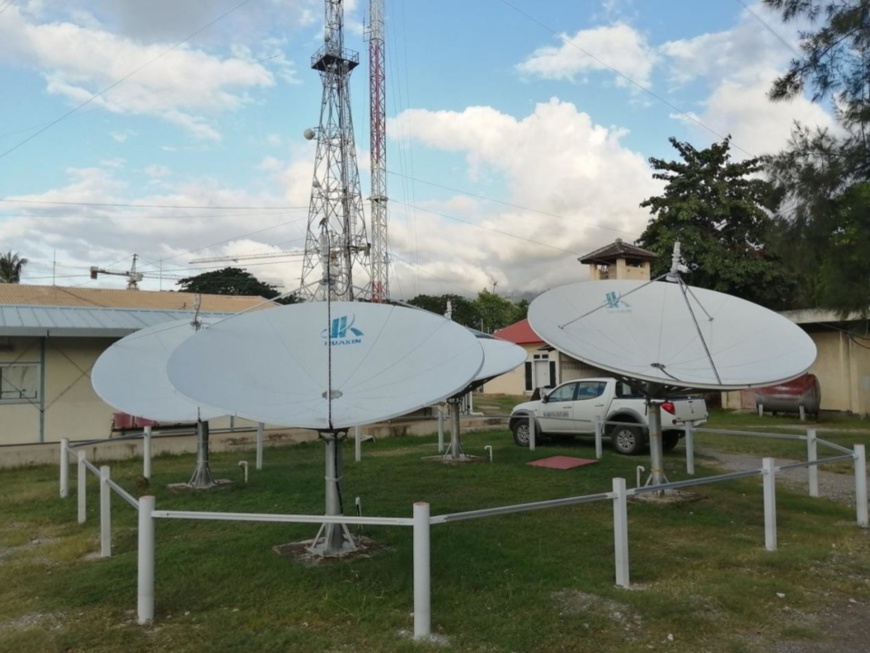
(122, 79)
(768, 27)
(155, 206)
(495, 201)
(616, 71)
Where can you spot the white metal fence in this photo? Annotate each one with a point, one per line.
(421, 520)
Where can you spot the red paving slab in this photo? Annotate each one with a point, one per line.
(562, 462)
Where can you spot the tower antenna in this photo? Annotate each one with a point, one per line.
(378, 137)
(336, 236)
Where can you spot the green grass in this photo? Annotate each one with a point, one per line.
(541, 581)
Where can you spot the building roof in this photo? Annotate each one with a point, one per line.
(97, 312)
(24, 295)
(519, 333)
(617, 250)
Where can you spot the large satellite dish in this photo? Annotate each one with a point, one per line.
(326, 365)
(131, 375)
(499, 356)
(672, 334)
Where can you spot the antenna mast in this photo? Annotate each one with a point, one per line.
(336, 237)
(378, 117)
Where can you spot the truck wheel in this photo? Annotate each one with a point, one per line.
(521, 432)
(627, 439)
(670, 440)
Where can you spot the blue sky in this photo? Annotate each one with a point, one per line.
(519, 131)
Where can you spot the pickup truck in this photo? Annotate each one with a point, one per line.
(574, 407)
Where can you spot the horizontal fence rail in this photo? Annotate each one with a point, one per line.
(422, 520)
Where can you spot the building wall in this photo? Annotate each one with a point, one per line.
(514, 382)
(843, 368)
(71, 407)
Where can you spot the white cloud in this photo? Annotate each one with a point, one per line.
(582, 187)
(739, 66)
(611, 48)
(182, 86)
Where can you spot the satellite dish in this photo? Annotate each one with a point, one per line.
(275, 366)
(499, 356)
(672, 334)
(131, 375)
(309, 134)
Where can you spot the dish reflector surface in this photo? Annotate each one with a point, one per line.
(656, 332)
(275, 366)
(131, 375)
(499, 356)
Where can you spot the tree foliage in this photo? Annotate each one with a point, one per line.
(822, 176)
(231, 281)
(488, 312)
(718, 211)
(11, 266)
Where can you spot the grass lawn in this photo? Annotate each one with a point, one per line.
(540, 581)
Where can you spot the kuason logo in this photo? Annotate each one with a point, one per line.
(342, 332)
(614, 302)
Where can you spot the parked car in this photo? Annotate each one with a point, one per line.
(573, 408)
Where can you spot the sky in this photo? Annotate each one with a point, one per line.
(518, 138)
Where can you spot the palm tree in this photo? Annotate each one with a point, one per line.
(10, 267)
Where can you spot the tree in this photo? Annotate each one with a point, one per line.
(835, 64)
(231, 281)
(822, 177)
(719, 213)
(496, 312)
(462, 310)
(11, 266)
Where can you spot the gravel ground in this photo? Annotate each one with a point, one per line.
(843, 622)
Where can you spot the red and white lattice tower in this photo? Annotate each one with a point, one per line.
(378, 116)
(336, 238)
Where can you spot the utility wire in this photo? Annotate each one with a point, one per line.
(616, 71)
(122, 79)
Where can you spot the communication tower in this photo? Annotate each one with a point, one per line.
(378, 136)
(336, 236)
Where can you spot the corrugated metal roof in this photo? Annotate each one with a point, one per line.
(104, 313)
(79, 322)
(25, 295)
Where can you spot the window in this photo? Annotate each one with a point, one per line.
(590, 389)
(19, 383)
(562, 393)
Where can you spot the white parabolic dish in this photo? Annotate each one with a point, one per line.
(131, 375)
(275, 366)
(653, 332)
(499, 356)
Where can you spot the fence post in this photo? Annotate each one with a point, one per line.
(689, 437)
(620, 531)
(64, 468)
(812, 457)
(599, 433)
(440, 430)
(82, 485)
(422, 579)
(531, 431)
(861, 485)
(357, 444)
(260, 428)
(769, 482)
(146, 453)
(105, 513)
(145, 586)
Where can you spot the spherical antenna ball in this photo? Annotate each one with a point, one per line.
(308, 134)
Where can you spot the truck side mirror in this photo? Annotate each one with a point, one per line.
(544, 397)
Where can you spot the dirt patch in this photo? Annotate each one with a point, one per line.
(301, 553)
(842, 623)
